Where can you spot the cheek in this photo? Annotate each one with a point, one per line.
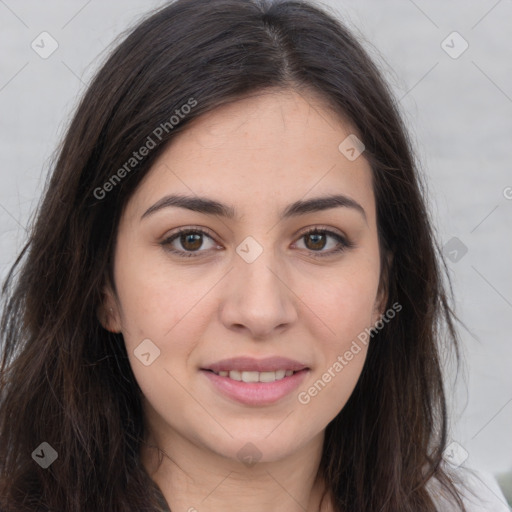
(166, 309)
(344, 301)
(329, 392)
(154, 300)
(345, 309)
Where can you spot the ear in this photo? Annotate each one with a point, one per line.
(108, 311)
(383, 291)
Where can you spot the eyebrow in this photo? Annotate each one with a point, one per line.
(212, 207)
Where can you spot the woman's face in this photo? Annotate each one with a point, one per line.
(244, 291)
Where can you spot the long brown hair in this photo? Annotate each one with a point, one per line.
(67, 381)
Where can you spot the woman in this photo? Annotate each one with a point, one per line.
(231, 297)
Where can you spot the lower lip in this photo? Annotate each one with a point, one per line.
(256, 393)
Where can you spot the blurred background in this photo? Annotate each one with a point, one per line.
(449, 65)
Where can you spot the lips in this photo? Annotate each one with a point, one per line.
(250, 364)
(256, 382)
(249, 376)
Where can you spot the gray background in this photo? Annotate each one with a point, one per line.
(458, 110)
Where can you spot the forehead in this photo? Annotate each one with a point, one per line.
(276, 145)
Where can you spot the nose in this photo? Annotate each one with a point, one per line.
(257, 298)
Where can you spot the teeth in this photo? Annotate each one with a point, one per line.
(235, 375)
(256, 376)
(269, 376)
(250, 376)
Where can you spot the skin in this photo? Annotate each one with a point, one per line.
(258, 155)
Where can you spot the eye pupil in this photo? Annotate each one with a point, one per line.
(194, 238)
(318, 240)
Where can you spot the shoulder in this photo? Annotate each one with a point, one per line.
(479, 491)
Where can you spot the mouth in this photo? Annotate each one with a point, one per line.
(253, 376)
(255, 382)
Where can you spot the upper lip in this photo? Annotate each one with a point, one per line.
(250, 364)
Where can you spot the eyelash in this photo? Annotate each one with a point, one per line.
(344, 244)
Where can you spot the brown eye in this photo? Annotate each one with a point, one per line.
(316, 240)
(191, 241)
(188, 242)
